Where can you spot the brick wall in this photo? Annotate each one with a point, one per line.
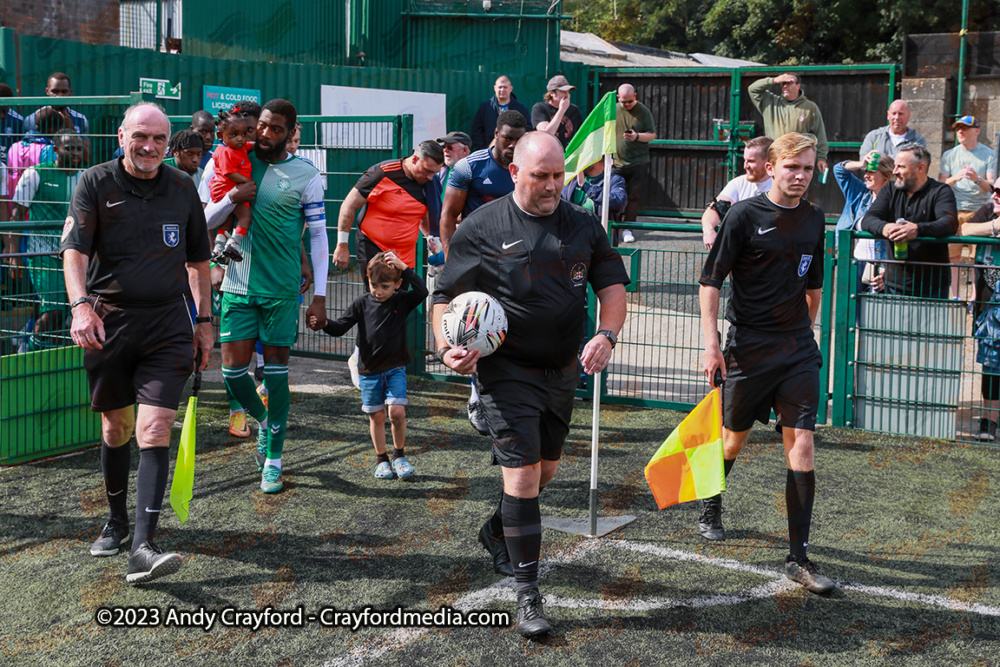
(90, 21)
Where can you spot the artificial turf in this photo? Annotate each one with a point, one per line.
(908, 528)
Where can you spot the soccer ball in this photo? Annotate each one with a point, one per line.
(476, 321)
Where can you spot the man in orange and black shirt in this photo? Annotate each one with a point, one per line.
(395, 208)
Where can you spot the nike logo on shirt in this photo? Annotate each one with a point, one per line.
(110, 205)
(505, 246)
(765, 231)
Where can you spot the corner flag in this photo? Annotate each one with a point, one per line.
(688, 465)
(595, 138)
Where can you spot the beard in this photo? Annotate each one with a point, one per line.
(275, 152)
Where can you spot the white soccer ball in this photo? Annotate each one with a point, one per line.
(476, 321)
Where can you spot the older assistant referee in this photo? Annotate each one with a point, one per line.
(134, 243)
(536, 254)
(772, 245)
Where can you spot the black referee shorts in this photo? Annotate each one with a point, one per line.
(528, 410)
(765, 371)
(147, 356)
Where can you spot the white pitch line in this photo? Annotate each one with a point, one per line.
(502, 591)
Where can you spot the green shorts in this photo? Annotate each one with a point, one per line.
(47, 278)
(274, 322)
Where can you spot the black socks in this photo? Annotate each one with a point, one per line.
(522, 528)
(150, 485)
(800, 489)
(116, 463)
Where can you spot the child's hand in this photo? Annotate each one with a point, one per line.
(312, 321)
(395, 262)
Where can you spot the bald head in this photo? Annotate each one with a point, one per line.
(538, 169)
(626, 90)
(899, 116)
(143, 137)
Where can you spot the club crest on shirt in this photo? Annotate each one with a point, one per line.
(804, 264)
(171, 235)
(578, 274)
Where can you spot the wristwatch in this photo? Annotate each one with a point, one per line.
(202, 320)
(610, 335)
(76, 303)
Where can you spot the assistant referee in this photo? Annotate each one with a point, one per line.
(535, 253)
(772, 245)
(133, 242)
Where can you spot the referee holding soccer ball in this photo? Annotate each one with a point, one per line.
(772, 245)
(535, 253)
(134, 242)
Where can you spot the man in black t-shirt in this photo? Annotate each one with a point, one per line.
(535, 253)
(557, 115)
(134, 242)
(772, 245)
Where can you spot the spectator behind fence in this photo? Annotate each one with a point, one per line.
(924, 207)
(587, 190)
(42, 194)
(987, 326)
(634, 128)
(11, 129)
(859, 193)
(557, 115)
(203, 123)
(791, 111)
(966, 168)
(752, 183)
(58, 85)
(887, 139)
(485, 120)
(187, 148)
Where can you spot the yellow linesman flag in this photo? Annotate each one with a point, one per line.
(182, 485)
(688, 465)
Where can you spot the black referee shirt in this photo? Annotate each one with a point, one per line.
(137, 243)
(538, 269)
(774, 254)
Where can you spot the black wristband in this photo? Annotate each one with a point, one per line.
(76, 303)
(202, 320)
(441, 352)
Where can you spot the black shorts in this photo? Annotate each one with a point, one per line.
(528, 410)
(765, 371)
(147, 356)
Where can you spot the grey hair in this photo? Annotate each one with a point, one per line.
(920, 153)
(132, 109)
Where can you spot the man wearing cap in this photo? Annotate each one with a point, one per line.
(457, 145)
(887, 139)
(556, 115)
(490, 110)
(635, 129)
(966, 168)
(789, 112)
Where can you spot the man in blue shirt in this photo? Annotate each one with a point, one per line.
(58, 85)
(490, 110)
(483, 176)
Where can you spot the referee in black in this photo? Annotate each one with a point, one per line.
(133, 244)
(772, 245)
(535, 253)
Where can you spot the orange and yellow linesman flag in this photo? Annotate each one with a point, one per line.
(688, 465)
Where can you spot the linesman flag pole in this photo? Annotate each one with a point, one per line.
(596, 140)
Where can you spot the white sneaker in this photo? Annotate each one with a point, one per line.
(627, 237)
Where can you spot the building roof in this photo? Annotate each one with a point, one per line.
(589, 49)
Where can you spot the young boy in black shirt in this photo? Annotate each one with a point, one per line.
(381, 318)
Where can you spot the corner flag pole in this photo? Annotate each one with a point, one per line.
(594, 527)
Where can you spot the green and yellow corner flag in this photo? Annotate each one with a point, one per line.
(182, 485)
(688, 465)
(594, 139)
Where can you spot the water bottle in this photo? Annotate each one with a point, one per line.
(900, 250)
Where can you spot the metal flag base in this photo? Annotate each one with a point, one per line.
(583, 526)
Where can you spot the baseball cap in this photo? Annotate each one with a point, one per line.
(968, 121)
(456, 138)
(559, 82)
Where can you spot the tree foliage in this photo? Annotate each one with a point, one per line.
(794, 32)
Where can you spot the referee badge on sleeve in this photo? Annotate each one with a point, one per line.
(172, 235)
(804, 264)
